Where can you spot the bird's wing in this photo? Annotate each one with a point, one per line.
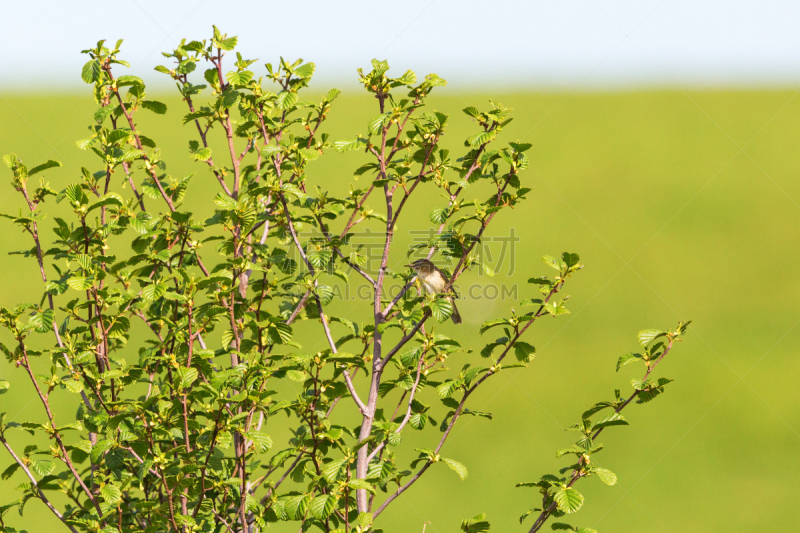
(446, 281)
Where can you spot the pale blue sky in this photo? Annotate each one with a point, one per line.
(538, 43)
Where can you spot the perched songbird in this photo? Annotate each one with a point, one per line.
(434, 282)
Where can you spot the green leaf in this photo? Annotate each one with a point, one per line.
(262, 440)
(305, 71)
(482, 138)
(111, 198)
(556, 308)
(364, 519)
(649, 335)
(43, 322)
(571, 260)
(521, 147)
(472, 112)
(239, 78)
(75, 387)
(124, 81)
(375, 124)
(568, 500)
(154, 106)
(90, 72)
(448, 388)
(332, 94)
(323, 506)
(331, 470)
(50, 163)
(286, 100)
(627, 358)
(202, 154)
(418, 420)
(4, 386)
(524, 352)
(614, 419)
(457, 467)
(553, 262)
(359, 484)
(154, 291)
(439, 216)
(441, 309)
(606, 476)
(225, 202)
(477, 524)
(80, 283)
(345, 146)
(117, 135)
(187, 376)
(226, 44)
(111, 494)
(43, 467)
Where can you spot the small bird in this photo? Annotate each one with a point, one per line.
(434, 282)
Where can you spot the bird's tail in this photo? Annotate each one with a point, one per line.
(455, 316)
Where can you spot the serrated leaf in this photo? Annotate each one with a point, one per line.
(286, 100)
(438, 216)
(239, 78)
(627, 358)
(111, 494)
(489, 324)
(154, 106)
(44, 166)
(323, 506)
(477, 524)
(187, 376)
(305, 71)
(648, 335)
(154, 291)
(606, 476)
(364, 519)
(42, 467)
(262, 440)
(614, 419)
(332, 94)
(570, 259)
(225, 202)
(80, 283)
(90, 72)
(375, 124)
(345, 146)
(457, 467)
(482, 138)
(331, 470)
(525, 352)
(472, 112)
(448, 388)
(441, 309)
(568, 500)
(553, 262)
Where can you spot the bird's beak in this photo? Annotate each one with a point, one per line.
(408, 266)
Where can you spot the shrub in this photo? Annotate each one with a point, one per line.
(177, 439)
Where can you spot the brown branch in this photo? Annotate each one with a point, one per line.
(35, 484)
(56, 435)
(577, 474)
(148, 165)
(325, 326)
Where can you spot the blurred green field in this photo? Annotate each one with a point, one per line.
(682, 205)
